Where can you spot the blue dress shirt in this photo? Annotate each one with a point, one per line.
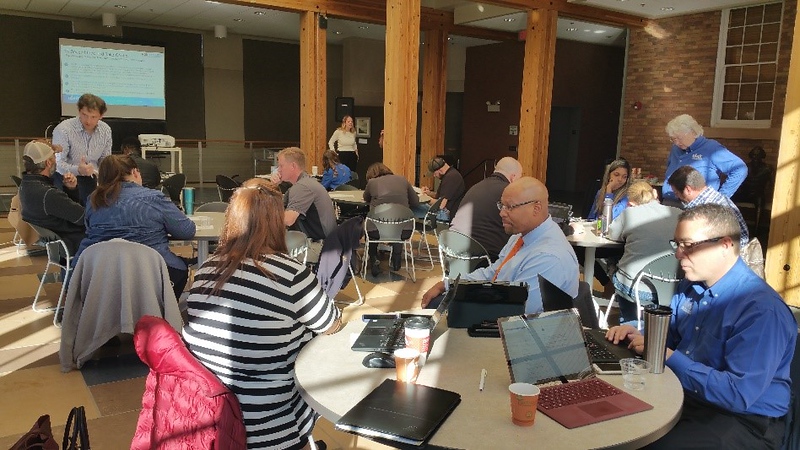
(710, 158)
(616, 209)
(546, 251)
(733, 343)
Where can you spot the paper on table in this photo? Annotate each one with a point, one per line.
(204, 227)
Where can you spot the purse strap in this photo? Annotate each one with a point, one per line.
(76, 432)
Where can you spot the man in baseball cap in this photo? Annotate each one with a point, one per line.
(45, 205)
(451, 188)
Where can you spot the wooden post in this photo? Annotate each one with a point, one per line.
(537, 92)
(783, 252)
(400, 102)
(434, 97)
(313, 85)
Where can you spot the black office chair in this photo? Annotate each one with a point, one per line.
(174, 186)
(353, 179)
(225, 187)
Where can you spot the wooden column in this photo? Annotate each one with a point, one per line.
(400, 102)
(313, 85)
(783, 252)
(434, 93)
(537, 92)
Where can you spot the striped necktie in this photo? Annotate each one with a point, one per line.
(514, 250)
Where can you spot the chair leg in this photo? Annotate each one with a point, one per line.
(410, 251)
(61, 295)
(360, 300)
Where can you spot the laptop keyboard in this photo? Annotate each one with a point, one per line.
(577, 392)
(395, 337)
(597, 351)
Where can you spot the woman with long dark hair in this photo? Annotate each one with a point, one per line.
(616, 181)
(252, 308)
(120, 207)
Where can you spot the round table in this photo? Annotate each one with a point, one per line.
(332, 380)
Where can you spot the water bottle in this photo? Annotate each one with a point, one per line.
(608, 205)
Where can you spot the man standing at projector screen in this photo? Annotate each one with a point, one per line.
(84, 141)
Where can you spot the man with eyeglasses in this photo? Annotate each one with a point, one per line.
(709, 157)
(691, 189)
(538, 246)
(730, 342)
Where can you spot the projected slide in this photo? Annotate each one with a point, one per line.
(130, 78)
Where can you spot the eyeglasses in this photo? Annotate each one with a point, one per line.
(502, 207)
(689, 247)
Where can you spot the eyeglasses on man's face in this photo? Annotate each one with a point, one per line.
(502, 207)
(689, 246)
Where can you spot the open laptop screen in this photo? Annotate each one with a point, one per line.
(546, 347)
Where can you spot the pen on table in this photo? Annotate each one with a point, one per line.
(483, 380)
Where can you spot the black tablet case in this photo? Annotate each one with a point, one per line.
(478, 301)
(403, 412)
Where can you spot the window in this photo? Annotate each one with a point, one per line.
(747, 62)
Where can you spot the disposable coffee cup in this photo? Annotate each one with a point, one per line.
(188, 200)
(418, 334)
(406, 362)
(524, 399)
(634, 373)
(314, 170)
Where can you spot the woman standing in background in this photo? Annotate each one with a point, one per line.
(343, 142)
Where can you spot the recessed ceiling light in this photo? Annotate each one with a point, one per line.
(337, 32)
(667, 8)
(120, 6)
(509, 19)
(449, 38)
(572, 29)
(238, 20)
(599, 31)
(363, 27)
(212, 2)
(587, 31)
(260, 13)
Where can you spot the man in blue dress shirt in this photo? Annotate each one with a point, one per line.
(730, 342)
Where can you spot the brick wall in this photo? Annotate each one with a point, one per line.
(671, 71)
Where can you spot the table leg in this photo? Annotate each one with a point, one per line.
(202, 252)
(588, 265)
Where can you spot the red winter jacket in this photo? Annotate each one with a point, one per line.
(184, 405)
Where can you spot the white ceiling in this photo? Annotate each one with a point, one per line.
(252, 21)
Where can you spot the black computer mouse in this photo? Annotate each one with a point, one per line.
(378, 360)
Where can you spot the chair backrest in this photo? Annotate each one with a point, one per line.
(212, 207)
(225, 187)
(174, 185)
(585, 306)
(560, 212)
(17, 180)
(56, 247)
(297, 244)
(460, 254)
(662, 274)
(392, 220)
(345, 187)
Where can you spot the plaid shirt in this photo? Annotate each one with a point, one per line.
(711, 195)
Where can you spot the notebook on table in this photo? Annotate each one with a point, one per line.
(481, 301)
(388, 334)
(549, 350)
(402, 412)
(601, 350)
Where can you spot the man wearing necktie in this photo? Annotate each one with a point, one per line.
(537, 246)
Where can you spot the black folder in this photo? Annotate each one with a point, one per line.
(401, 412)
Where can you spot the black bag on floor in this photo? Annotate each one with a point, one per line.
(76, 433)
(39, 438)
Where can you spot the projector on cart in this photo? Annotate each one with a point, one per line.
(156, 140)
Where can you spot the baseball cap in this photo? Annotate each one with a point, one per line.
(435, 164)
(38, 151)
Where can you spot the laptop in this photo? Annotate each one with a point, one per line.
(386, 333)
(548, 350)
(601, 350)
(486, 301)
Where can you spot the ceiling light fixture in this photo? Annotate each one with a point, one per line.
(220, 31)
(120, 6)
(509, 19)
(109, 20)
(337, 32)
(668, 8)
(363, 27)
(572, 29)
(238, 19)
(259, 13)
(599, 31)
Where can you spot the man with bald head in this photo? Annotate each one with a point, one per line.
(537, 246)
(472, 218)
